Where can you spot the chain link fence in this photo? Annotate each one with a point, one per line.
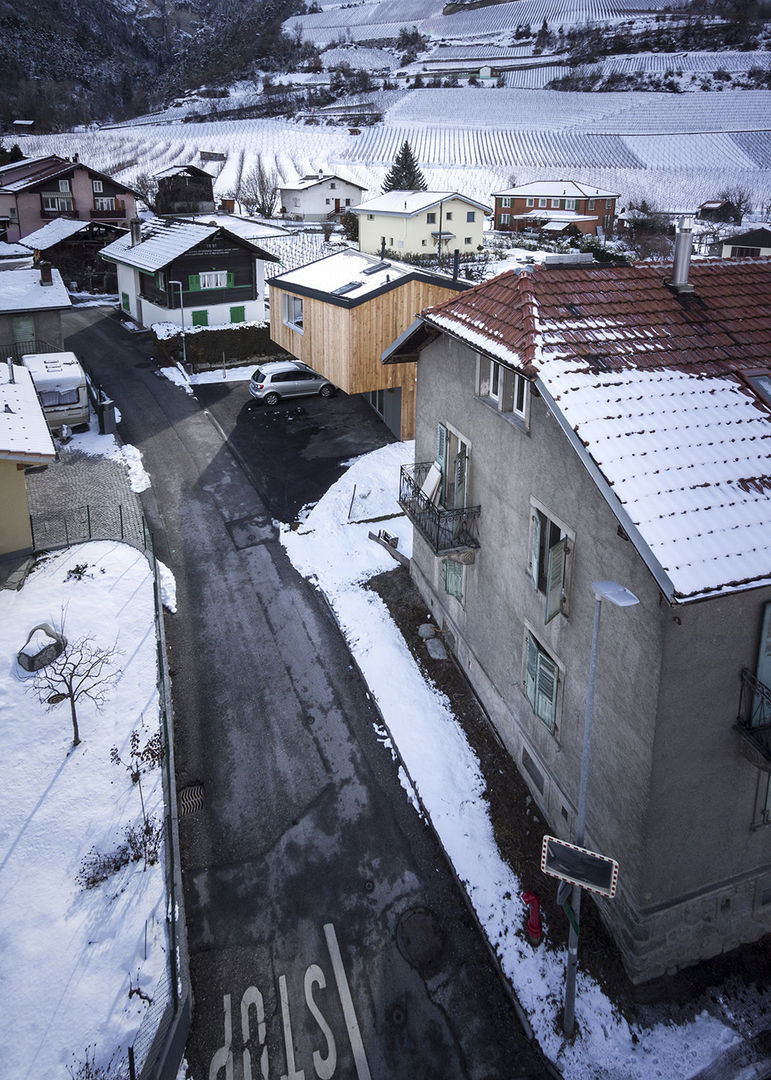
(158, 1045)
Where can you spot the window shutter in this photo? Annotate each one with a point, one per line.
(535, 547)
(531, 670)
(231, 279)
(555, 578)
(546, 689)
(453, 578)
(194, 282)
(460, 477)
(441, 446)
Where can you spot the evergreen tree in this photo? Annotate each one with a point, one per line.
(404, 174)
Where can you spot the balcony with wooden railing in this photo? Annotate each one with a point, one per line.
(754, 720)
(445, 530)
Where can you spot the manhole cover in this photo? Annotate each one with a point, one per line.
(422, 940)
(191, 799)
(249, 531)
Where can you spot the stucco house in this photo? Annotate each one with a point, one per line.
(34, 191)
(755, 244)
(339, 313)
(552, 206)
(420, 222)
(24, 440)
(319, 197)
(577, 425)
(219, 275)
(31, 305)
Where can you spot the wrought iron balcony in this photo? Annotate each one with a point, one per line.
(754, 720)
(444, 530)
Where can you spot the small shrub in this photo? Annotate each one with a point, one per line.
(77, 573)
(142, 842)
(87, 1068)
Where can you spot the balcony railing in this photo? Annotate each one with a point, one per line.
(754, 720)
(16, 349)
(444, 530)
(109, 215)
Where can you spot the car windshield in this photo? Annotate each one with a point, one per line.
(258, 376)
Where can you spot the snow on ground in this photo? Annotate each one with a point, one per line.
(91, 442)
(71, 954)
(332, 550)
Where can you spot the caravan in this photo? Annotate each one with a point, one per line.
(61, 386)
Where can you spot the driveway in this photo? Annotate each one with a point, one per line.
(327, 935)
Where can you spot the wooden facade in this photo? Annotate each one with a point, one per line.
(344, 341)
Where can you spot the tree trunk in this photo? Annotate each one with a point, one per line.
(75, 732)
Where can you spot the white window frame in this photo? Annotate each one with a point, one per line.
(608, 204)
(292, 311)
(570, 204)
(542, 204)
(512, 396)
(213, 279)
(61, 203)
(505, 219)
(468, 240)
(591, 204)
(97, 186)
(555, 204)
(506, 201)
(104, 202)
(471, 216)
(64, 185)
(456, 445)
(530, 202)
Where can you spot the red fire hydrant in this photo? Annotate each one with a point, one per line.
(534, 925)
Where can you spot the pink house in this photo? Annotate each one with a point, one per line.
(37, 190)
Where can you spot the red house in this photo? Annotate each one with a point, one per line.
(552, 206)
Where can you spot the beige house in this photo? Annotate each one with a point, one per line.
(24, 440)
(338, 314)
(420, 222)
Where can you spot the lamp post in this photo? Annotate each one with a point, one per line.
(621, 597)
(181, 319)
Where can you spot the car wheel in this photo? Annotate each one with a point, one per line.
(272, 398)
(326, 390)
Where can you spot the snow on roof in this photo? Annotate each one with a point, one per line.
(755, 237)
(52, 233)
(552, 189)
(164, 240)
(24, 434)
(652, 386)
(245, 227)
(410, 203)
(20, 290)
(13, 251)
(355, 273)
(30, 171)
(178, 170)
(306, 182)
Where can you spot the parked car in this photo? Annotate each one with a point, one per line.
(287, 378)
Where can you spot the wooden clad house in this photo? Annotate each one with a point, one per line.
(338, 314)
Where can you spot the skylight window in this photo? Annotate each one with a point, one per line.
(376, 268)
(341, 290)
(762, 384)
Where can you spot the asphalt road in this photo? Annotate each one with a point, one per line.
(327, 935)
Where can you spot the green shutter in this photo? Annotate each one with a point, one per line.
(231, 279)
(441, 446)
(546, 689)
(194, 282)
(531, 670)
(238, 314)
(460, 477)
(453, 578)
(555, 578)
(125, 301)
(535, 548)
(200, 318)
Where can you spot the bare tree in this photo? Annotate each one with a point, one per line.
(146, 187)
(258, 190)
(84, 670)
(740, 197)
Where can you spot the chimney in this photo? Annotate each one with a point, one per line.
(45, 274)
(455, 264)
(11, 372)
(136, 231)
(321, 174)
(682, 262)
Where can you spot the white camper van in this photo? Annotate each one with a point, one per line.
(61, 386)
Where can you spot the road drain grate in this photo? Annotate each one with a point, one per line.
(191, 800)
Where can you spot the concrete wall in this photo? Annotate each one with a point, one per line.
(670, 796)
(47, 326)
(15, 535)
(414, 235)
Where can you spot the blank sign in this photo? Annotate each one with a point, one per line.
(579, 865)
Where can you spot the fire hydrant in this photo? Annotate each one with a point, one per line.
(534, 925)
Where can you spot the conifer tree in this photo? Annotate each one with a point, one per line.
(404, 174)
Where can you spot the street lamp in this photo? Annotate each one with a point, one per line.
(621, 597)
(181, 319)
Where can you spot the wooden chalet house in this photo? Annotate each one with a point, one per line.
(73, 247)
(339, 313)
(218, 275)
(184, 189)
(581, 425)
(37, 190)
(552, 206)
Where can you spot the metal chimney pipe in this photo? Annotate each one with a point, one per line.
(11, 372)
(682, 262)
(455, 264)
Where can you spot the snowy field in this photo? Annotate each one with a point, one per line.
(73, 955)
(676, 151)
